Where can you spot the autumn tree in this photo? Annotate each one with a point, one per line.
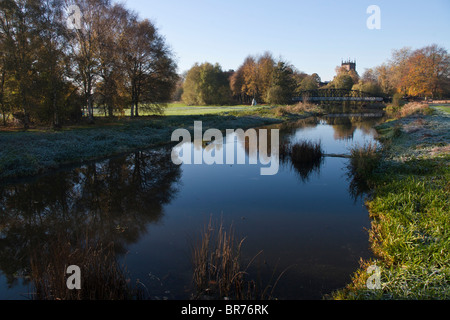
(250, 85)
(270, 73)
(4, 106)
(422, 72)
(52, 59)
(150, 71)
(85, 43)
(110, 91)
(368, 83)
(428, 72)
(343, 81)
(237, 85)
(253, 79)
(309, 82)
(384, 79)
(20, 43)
(283, 84)
(206, 84)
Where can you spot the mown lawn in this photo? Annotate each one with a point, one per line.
(181, 109)
(443, 108)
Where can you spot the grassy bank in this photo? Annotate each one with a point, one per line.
(409, 209)
(39, 150)
(25, 154)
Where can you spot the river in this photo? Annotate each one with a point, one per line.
(308, 225)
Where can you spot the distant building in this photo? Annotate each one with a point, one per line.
(349, 65)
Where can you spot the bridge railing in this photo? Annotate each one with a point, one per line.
(368, 99)
(337, 95)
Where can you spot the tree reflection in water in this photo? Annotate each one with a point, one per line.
(111, 202)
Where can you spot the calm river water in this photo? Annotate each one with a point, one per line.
(308, 223)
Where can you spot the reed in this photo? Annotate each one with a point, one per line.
(216, 261)
(304, 156)
(102, 278)
(364, 160)
(218, 268)
(302, 152)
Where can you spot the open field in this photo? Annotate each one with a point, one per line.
(443, 108)
(181, 109)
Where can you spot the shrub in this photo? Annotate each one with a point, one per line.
(415, 108)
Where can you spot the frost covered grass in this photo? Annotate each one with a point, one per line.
(24, 154)
(409, 209)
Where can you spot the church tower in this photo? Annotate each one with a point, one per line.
(349, 65)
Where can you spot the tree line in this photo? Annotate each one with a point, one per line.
(260, 78)
(51, 73)
(424, 72)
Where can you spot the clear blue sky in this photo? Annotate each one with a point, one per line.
(312, 35)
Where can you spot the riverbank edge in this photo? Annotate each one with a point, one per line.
(408, 207)
(26, 155)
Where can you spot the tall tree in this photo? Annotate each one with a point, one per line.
(254, 78)
(110, 88)
(283, 84)
(4, 108)
(85, 43)
(20, 42)
(51, 57)
(399, 69)
(266, 67)
(149, 68)
(207, 84)
(236, 84)
(428, 71)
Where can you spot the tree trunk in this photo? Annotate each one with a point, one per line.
(110, 111)
(90, 109)
(56, 123)
(2, 96)
(4, 118)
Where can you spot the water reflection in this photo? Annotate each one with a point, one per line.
(303, 216)
(111, 201)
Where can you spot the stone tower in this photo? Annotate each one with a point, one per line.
(349, 65)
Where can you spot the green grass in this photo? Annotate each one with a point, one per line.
(409, 209)
(410, 235)
(181, 109)
(278, 112)
(445, 109)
